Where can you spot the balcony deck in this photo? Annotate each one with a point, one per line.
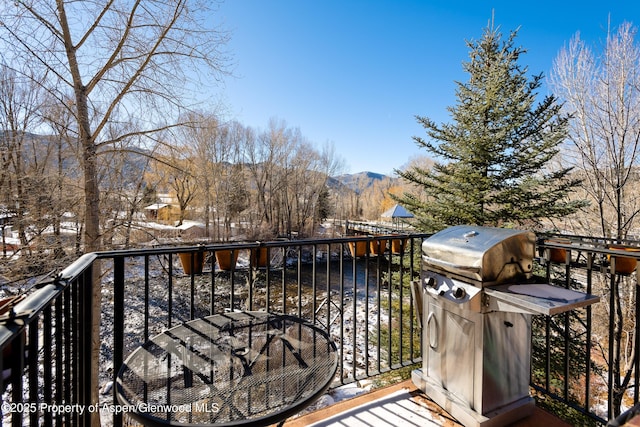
(364, 301)
(399, 405)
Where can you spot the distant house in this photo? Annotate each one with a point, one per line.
(161, 212)
(192, 230)
(6, 216)
(7, 241)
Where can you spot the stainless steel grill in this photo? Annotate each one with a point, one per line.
(478, 294)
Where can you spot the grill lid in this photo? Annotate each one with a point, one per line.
(483, 254)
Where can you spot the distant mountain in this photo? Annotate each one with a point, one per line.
(135, 161)
(131, 163)
(356, 181)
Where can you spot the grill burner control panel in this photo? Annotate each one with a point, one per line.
(452, 290)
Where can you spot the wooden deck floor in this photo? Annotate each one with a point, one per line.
(399, 405)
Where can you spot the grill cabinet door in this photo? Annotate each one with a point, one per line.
(507, 359)
(450, 341)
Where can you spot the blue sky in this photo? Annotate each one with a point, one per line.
(356, 73)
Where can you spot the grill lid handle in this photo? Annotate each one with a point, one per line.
(470, 234)
(449, 265)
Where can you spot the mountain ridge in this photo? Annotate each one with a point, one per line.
(356, 181)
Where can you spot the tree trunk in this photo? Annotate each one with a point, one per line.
(92, 241)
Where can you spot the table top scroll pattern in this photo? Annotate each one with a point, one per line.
(224, 369)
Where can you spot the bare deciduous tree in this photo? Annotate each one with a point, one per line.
(68, 194)
(263, 155)
(200, 140)
(602, 93)
(288, 175)
(19, 105)
(215, 147)
(119, 57)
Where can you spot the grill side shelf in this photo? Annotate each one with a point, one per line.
(539, 298)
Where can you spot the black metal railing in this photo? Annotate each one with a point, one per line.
(358, 288)
(587, 359)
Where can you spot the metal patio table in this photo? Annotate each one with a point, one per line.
(238, 368)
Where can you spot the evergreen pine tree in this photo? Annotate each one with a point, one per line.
(493, 158)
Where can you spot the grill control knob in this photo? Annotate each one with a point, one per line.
(459, 293)
(431, 282)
